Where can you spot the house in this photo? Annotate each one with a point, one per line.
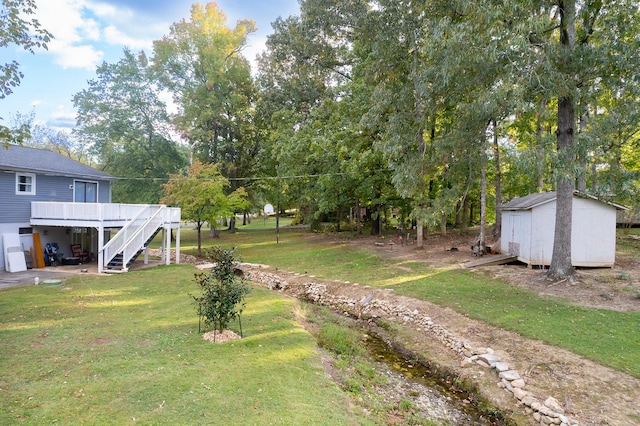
(48, 198)
(528, 229)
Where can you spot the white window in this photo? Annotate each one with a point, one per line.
(25, 183)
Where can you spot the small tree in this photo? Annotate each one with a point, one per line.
(201, 195)
(223, 292)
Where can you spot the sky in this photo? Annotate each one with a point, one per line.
(90, 32)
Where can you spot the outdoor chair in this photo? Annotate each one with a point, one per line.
(76, 251)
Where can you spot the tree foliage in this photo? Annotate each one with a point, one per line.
(123, 120)
(201, 196)
(17, 28)
(200, 62)
(223, 291)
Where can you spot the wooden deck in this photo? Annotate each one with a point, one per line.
(490, 260)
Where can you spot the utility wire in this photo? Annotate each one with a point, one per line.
(253, 178)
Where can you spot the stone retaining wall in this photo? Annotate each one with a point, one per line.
(547, 412)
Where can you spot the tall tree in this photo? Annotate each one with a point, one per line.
(312, 105)
(126, 124)
(201, 63)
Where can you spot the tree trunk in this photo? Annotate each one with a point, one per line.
(376, 221)
(232, 225)
(540, 154)
(419, 234)
(483, 198)
(465, 214)
(358, 216)
(497, 230)
(561, 267)
(199, 228)
(582, 174)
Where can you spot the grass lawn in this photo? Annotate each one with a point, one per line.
(608, 337)
(124, 349)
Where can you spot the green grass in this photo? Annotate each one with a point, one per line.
(607, 337)
(125, 349)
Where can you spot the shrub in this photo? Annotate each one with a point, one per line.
(223, 291)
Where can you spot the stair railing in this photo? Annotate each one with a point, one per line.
(141, 237)
(117, 244)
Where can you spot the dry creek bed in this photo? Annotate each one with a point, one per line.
(572, 389)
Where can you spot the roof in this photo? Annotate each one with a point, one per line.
(534, 200)
(35, 160)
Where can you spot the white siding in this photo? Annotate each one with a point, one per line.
(529, 233)
(593, 233)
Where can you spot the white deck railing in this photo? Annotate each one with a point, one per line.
(90, 211)
(134, 234)
(97, 211)
(135, 221)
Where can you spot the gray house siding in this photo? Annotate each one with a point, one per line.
(17, 207)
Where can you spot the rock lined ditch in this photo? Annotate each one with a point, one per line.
(436, 394)
(374, 308)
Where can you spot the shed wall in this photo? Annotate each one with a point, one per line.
(543, 223)
(529, 234)
(593, 233)
(516, 233)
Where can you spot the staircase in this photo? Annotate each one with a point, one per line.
(116, 263)
(124, 248)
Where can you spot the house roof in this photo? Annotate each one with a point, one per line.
(534, 200)
(35, 160)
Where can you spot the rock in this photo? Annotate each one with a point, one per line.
(518, 383)
(509, 375)
(489, 358)
(554, 405)
(519, 393)
(530, 401)
(500, 366)
(482, 363)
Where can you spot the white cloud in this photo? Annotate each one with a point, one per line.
(69, 56)
(62, 118)
(83, 29)
(73, 33)
(116, 37)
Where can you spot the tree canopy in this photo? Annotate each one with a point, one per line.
(360, 111)
(200, 194)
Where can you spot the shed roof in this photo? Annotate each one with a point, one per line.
(35, 160)
(537, 199)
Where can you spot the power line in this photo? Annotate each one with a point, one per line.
(244, 179)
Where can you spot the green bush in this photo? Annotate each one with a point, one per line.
(223, 291)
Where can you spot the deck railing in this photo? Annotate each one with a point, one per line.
(134, 220)
(86, 211)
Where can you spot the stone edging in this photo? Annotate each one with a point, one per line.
(547, 412)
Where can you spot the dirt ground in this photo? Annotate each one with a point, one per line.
(590, 393)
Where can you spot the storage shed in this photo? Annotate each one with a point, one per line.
(528, 229)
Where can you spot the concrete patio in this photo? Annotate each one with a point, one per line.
(28, 277)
